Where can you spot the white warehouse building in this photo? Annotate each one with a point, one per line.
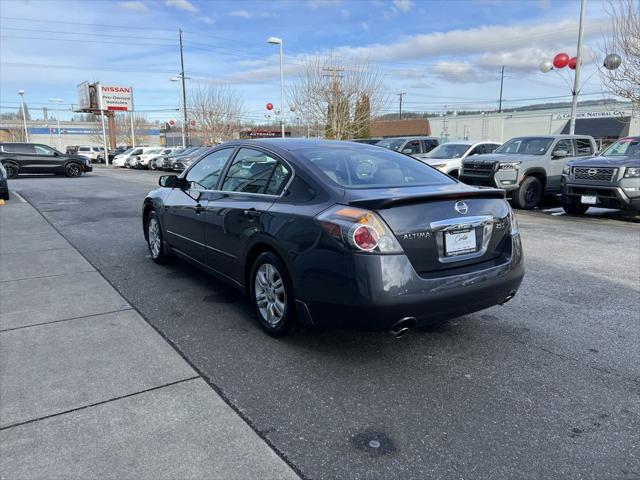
(604, 124)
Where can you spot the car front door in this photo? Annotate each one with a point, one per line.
(46, 160)
(252, 182)
(557, 163)
(185, 207)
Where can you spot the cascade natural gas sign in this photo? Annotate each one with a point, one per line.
(115, 98)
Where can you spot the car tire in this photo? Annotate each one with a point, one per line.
(12, 170)
(153, 166)
(272, 294)
(73, 169)
(155, 240)
(572, 207)
(529, 194)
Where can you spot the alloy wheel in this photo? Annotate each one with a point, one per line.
(154, 235)
(270, 294)
(73, 170)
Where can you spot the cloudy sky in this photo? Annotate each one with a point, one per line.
(438, 52)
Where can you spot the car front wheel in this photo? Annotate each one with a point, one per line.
(572, 207)
(529, 194)
(154, 239)
(272, 294)
(73, 170)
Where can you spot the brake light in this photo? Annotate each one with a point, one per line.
(358, 229)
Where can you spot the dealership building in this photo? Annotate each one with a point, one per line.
(604, 123)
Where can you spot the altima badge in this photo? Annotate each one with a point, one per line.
(461, 208)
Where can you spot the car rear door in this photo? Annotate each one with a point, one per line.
(185, 207)
(252, 182)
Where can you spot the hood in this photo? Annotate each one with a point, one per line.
(501, 157)
(623, 161)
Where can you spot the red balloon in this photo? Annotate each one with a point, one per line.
(269, 106)
(573, 62)
(561, 60)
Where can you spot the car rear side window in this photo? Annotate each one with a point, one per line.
(204, 174)
(583, 147)
(372, 168)
(43, 150)
(250, 172)
(18, 148)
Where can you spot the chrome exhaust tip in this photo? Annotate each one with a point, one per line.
(402, 327)
(509, 297)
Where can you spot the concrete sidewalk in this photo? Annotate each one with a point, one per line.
(89, 390)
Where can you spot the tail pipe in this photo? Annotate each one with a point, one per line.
(509, 297)
(402, 327)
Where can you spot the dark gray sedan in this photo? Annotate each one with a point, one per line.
(337, 234)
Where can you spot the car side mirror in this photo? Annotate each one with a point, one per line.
(168, 181)
(560, 153)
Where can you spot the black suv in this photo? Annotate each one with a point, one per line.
(610, 180)
(20, 158)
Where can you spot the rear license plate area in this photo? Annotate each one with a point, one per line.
(460, 242)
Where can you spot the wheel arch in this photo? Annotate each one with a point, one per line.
(259, 245)
(539, 173)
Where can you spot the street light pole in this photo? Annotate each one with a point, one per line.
(58, 101)
(24, 116)
(180, 78)
(278, 41)
(576, 78)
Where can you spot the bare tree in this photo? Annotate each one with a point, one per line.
(625, 41)
(341, 97)
(123, 128)
(216, 110)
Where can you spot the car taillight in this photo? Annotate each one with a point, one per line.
(358, 229)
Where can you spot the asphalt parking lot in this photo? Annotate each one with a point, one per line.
(546, 386)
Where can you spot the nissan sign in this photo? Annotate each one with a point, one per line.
(115, 98)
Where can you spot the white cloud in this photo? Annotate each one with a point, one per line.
(403, 5)
(241, 13)
(185, 5)
(315, 4)
(134, 6)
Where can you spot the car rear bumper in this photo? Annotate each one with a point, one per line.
(374, 292)
(621, 195)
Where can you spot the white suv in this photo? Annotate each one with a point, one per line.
(448, 157)
(96, 154)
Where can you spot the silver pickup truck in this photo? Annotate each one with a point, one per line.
(527, 167)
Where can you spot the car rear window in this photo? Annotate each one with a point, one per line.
(372, 168)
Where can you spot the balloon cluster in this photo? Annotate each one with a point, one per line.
(561, 60)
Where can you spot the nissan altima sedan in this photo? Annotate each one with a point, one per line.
(337, 234)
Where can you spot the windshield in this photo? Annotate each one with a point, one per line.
(153, 150)
(526, 146)
(625, 147)
(448, 150)
(391, 143)
(372, 168)
(127, 151)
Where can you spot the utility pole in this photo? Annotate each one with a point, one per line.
(185, 131)
(576, 78)
(400, 95)
(501, 85)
